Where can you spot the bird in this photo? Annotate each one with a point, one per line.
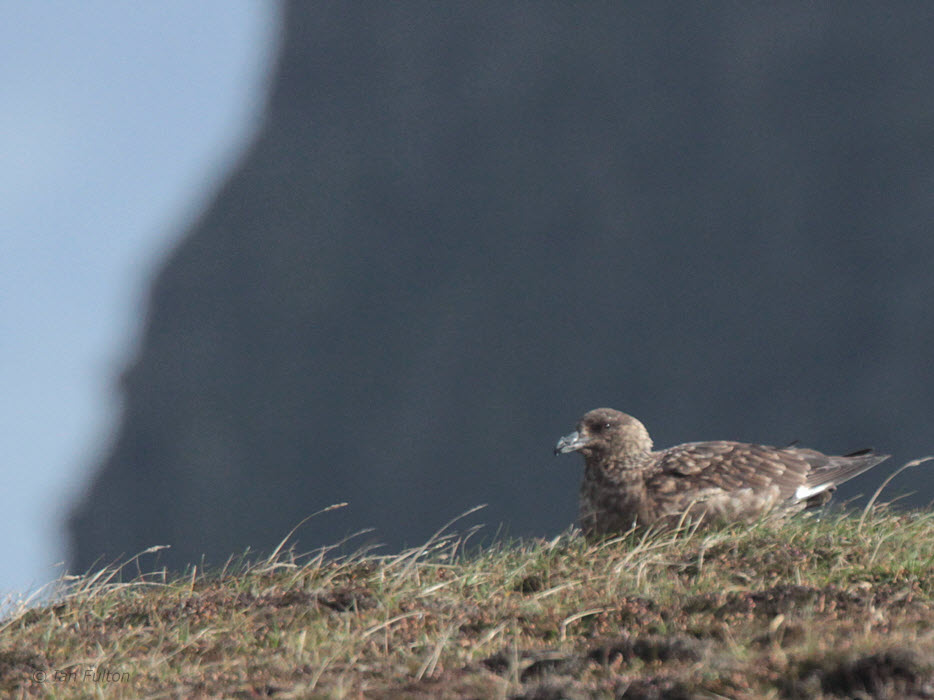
(628, 486)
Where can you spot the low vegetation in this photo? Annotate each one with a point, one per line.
(839, 606)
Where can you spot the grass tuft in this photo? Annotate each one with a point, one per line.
(837, 606)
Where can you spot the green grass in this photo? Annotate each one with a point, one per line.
(812, 608)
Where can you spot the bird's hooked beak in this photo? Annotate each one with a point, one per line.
(570, 443)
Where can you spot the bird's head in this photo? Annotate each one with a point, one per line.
(605, 434)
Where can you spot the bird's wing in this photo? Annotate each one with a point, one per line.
(827, 471)
(731, 467)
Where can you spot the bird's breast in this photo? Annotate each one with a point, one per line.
(615, 502)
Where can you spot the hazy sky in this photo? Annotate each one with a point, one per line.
(117, 123)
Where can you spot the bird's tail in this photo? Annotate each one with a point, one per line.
(828, 472)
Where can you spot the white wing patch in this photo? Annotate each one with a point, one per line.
(804, 492)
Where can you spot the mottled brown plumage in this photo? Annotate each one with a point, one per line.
(626, 484)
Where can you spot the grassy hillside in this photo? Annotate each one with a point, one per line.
(814, 608)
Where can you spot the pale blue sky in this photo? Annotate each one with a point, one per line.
(118, 121)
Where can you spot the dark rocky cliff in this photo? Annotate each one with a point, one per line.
(462, 225)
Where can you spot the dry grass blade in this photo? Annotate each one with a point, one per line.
(431, 663)
(390, 622)
(414, 555)
(273, 558)
(563, 627)
(875, 496)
